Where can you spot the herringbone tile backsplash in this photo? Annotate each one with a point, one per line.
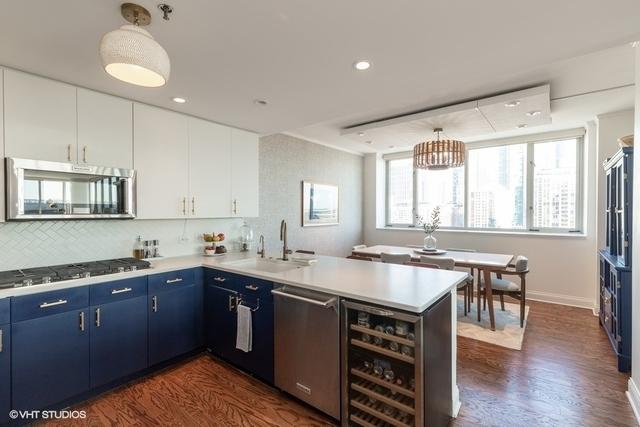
(39, 243)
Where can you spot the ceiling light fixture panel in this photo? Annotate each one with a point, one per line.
(362, 65)
(179, 100)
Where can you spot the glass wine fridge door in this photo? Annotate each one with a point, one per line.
(47, 190)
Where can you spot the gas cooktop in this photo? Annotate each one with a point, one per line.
(57, 273)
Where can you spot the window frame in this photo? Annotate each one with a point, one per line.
(530, 142)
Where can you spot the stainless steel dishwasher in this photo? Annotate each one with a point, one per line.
(307, 347)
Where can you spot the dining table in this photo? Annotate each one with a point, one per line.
(484, 262)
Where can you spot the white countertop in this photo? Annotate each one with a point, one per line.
(396, 286)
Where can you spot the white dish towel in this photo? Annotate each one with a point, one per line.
(244, 336)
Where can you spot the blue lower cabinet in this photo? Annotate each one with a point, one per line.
(5, 372)
(118, 340)
(175, 317)
(223, 292)
(51, 359)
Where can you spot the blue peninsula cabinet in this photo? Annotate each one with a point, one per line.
(5, 358)
(50, 344)
(175, 314)
(118, 329)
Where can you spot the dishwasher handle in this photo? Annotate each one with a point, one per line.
(331, 302)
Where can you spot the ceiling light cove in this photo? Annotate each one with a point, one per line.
(522, 126)
(512, 104)
(131, 54)
(362, 65)
(360, 133)
(179, 100)
(533, 113)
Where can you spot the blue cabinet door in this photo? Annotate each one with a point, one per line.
(118, 340)
(50, 360)
(220, 320)
(5, 373)
(174, 322)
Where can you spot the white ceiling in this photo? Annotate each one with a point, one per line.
(298, 54)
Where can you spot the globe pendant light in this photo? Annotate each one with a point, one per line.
(131, 54)
(439, 154)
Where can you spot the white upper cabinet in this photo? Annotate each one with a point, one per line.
(40, 118)
(209, 169)
(105, 130)
(244, 173)
(161, 159)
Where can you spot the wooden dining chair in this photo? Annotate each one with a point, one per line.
(361, 258)
(395, 258)
(472, 271)
(302, 251)
(445, 263)
(502, 287)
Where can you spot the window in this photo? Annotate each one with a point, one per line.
(555, 187)
(400, 191)
(497, 187)
(521, 186)
(444, 188)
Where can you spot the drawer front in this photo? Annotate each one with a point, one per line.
(252, 288)
(118, 290)
(5, 311)
(48, 303)
(220, 278)
(169, 281)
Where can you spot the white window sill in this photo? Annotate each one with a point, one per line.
(580, 235)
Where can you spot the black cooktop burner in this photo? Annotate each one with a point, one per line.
(56, 273)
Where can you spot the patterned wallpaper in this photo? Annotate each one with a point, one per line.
(284, 162)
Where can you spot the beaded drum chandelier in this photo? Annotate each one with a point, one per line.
(448, 153)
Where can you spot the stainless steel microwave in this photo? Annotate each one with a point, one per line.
(37, 189)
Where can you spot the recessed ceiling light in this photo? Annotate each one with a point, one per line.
(522, 126)
(362, 65)
(533, 113)
(179, 100)
(512, 104)
(260, 102)
(360, 133)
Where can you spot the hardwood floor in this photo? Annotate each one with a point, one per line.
(565, 375)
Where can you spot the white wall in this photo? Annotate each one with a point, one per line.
(634, 381)
(563, 268)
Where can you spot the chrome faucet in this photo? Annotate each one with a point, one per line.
(283, 237)
(261, 250)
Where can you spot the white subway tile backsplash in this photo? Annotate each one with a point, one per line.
(38, 243)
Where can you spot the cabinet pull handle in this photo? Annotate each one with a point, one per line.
(251, 287)
(193, 206)
(69, 152)
(184, 206)
(235, 206)
(219, 279)
(97, 317)
(84, 154)
(82, 321)
(176, 280)
(120, 291)
(53, 304)
(1, 340)
(154, 304)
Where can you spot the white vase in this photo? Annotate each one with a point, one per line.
(430, 242)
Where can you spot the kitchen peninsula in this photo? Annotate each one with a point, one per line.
(190, 303)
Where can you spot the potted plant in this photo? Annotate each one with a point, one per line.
(430, 227)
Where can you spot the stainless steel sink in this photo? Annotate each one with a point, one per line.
(267, 265)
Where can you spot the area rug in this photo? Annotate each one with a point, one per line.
(508, 332)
